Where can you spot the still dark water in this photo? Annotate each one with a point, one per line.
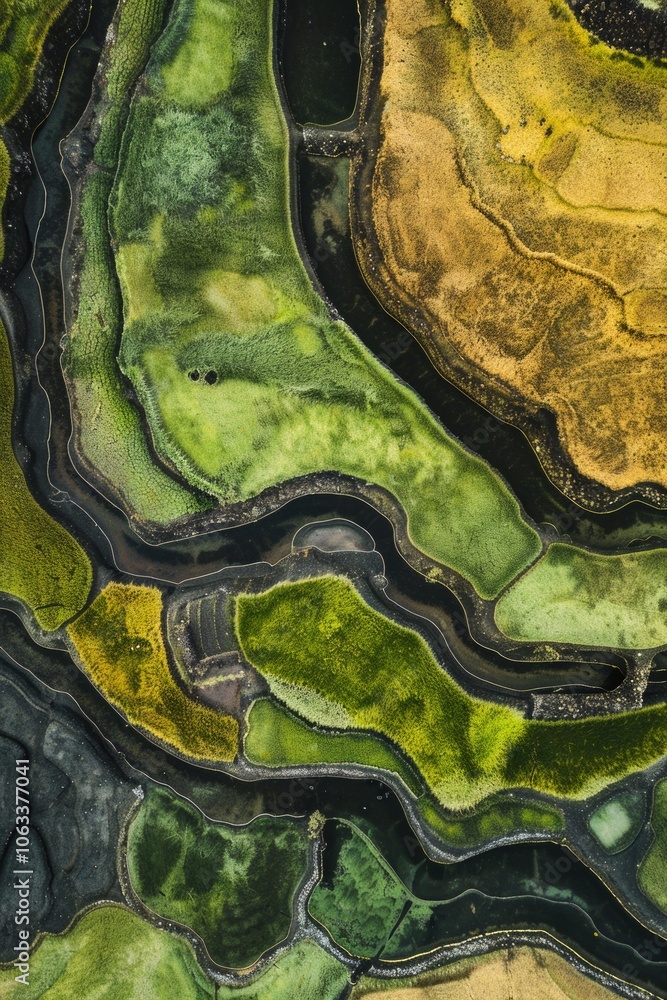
(320, 61)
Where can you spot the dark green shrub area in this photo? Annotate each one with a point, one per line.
(233, 886)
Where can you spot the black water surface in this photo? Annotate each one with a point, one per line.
(320, 60)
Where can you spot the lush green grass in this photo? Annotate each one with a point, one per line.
(213, 285)
(108, 433)
(40, 563)
(651, 873)
(111, 954)
(233, 886)
(118, 643)
(319, 637)
(594, 600)
(616, 823)
(277, 738)
(306, 971)
(137, 25)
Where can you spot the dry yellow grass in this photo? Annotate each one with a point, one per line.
(519, 210)
(118, 643)
(520, 974)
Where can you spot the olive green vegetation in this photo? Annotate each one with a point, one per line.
(576, 596)
(616, 823)
(361, 902)
(40, 563)
(651, 873)
(24, 25)
(233, 886)
(110, 954)
(492, 820)
(275, 737)
(319, 638)
(305, 971)
(137, 24)
(108, 434)
(118, 643)
(245, 379)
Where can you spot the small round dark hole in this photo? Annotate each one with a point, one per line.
(194, 375)
(211, 377)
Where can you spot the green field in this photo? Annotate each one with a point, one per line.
(328, 650)
(40, 563)
(110, 954)
(305, 971)
(576, 596)
(234, 886)
(276, 737)
(244, 377)
(651, 873)
(108, 434)
(119, 645)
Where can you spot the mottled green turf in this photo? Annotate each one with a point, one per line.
(111, 954)
(245, 379)
(305, 972)
(40, 563)
(651, 875)
(318, 638)
(234, 886)
(572, 595)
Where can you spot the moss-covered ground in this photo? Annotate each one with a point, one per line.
(276, 737)
(305, 971)
(329, 651)
(40, 563)
(365, 906)
(576, 596)
(111, 954)
(118, 643)
(651, 874)
(233, 886)
(245, 379)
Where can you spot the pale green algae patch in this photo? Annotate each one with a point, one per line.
(40, 563)
(616, 823)
(276, 737)
(571, 595)
(111, 954)
(318, 637)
